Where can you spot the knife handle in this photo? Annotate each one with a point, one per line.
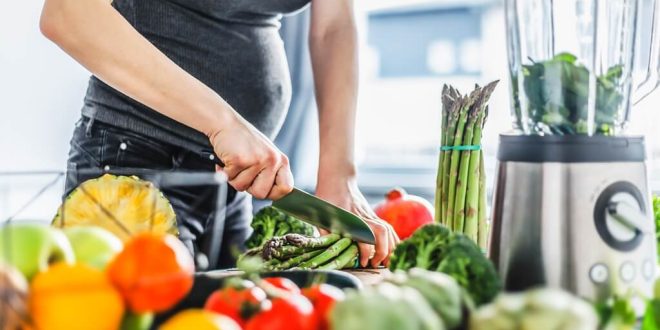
(211, 156)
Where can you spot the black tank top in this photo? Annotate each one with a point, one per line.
(232, 46)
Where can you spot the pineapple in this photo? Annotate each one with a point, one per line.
(121, 204)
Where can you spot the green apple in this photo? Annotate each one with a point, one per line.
(93, 246)
(133, 321)
(31, 247)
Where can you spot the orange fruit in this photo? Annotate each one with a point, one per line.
(74, 297)
(200, 319)
(153, 272)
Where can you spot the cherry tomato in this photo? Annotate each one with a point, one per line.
(283, 283)
(239, 301)
(293, 312)
(323, 298)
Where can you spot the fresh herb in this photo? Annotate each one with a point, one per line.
(557, 94)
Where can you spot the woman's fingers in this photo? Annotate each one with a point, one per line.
(366, 251)
(243, 180)
(265, 181)
(382, 248)
(283, 182)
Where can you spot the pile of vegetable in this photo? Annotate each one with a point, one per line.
(435, 247)
(275, 303)
(557, 94)
(270, 222)
(547, 309)
(85, 277)
(295, 251)
(460, 197)
(417, 299)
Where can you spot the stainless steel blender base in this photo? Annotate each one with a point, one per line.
(561, 221)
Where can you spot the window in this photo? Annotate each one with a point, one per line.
(409, 50)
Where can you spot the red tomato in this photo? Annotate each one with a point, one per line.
(404, 212)
(283, 283)
(293, 312)
(323, 298)
(239, 302)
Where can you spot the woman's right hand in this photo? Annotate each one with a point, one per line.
(252, 162)
(102, 40)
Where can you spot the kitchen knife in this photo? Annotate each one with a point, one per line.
(318, 212)
(322, 214)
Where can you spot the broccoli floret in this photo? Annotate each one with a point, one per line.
(422, 249)
(270, 222)
(435, 247)
(464, 262)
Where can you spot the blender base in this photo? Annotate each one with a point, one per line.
(573, 212)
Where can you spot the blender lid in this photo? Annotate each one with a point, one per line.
(570, 148)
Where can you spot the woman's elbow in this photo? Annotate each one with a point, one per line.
(52, 21)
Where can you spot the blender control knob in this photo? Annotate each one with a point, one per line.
(648, 270)
(599, 273)
(620, 216)
(627, 271)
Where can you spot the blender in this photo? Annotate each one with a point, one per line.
(571, 207)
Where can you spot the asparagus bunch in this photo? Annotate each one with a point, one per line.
(295, 251)
(460, 199)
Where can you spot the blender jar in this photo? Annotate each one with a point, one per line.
(572, 64)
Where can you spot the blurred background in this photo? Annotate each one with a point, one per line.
(408, 49)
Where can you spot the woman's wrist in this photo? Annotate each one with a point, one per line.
(336, 171)
(220, 116)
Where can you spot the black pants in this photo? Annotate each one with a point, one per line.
(97, 147)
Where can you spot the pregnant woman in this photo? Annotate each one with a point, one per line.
(177, 83)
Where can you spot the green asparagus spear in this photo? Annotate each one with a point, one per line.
(447, 102)
(462, 180)
(343, 260)
(287, 251)
(482, 217)
(455, 159)
(474, 175)
(311, 242)
(295, 261)
(333, 251)
(446, 161)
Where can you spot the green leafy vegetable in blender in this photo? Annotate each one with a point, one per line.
(270, 222)
(558, 94)
(434, 247)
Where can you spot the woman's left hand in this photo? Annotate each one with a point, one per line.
(346, 194)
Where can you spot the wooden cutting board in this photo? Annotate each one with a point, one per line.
(369, 276)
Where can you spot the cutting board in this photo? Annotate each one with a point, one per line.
(369, 276)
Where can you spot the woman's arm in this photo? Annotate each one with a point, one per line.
(98, 37)
(333, 47)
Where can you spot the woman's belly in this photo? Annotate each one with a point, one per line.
(244, 63)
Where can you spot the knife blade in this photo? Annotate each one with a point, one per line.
(322, 214)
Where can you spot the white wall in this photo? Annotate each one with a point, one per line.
(41, 92)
